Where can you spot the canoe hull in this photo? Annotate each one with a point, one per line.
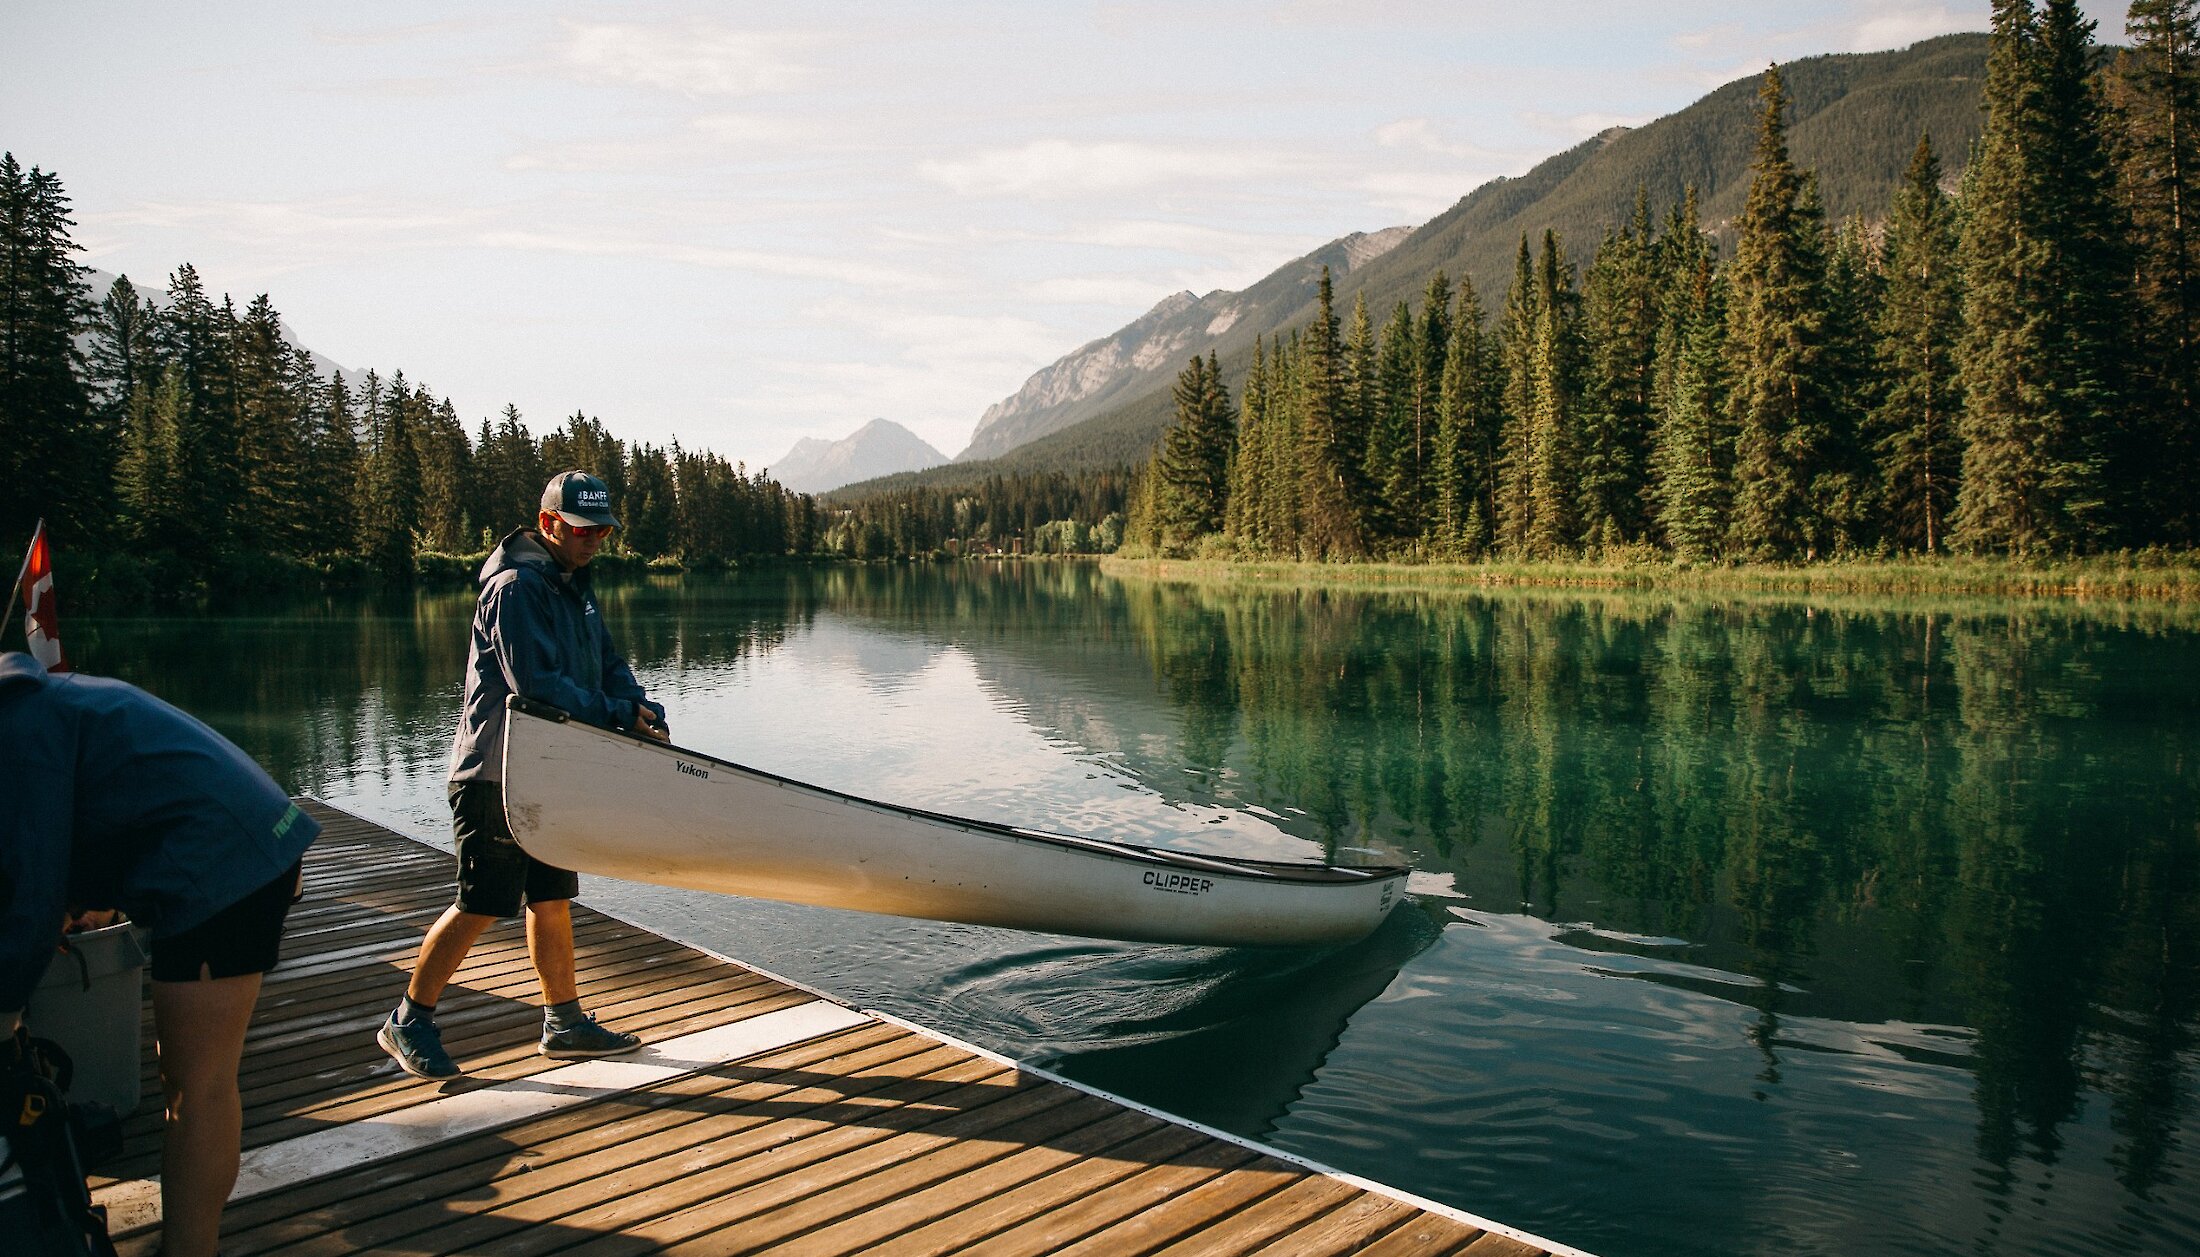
(606, 803)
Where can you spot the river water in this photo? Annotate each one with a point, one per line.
(1738, 926)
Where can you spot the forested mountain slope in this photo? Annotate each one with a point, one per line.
(1855, 118)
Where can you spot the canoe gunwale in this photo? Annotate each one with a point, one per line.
(1272, 871)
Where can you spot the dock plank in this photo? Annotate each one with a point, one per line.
(875, 1138)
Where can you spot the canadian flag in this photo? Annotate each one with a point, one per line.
(40, 623)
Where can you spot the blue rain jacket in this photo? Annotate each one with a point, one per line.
(539, 634)
(111, 798)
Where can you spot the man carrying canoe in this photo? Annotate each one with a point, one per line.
(537, 633)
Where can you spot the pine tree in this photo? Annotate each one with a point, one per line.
(1693, 449)
(54, 462)
(514, 472)
(1554, 475)
(199, 339)
(148, 480)
(1330, 526)
(1193, 482)
(2042, 281)
(1775, 351)
(444, 459)
(1282, 509)
(270, 446)
(1683, 255)
(1249, 481)
(1142, 526)
(1389, 468)
(1463, 459)
(1620, 317)
(1517, 331)
(2156, 94)
(334, 474)
(392, 509)
(1844, 491)
(1913, 430)
(1432, 343)
(122, 357)
(650, 512)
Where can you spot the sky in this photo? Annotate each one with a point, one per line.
(737, 225)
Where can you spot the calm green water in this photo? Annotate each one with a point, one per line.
(1738, 927)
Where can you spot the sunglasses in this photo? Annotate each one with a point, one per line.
(589, 530)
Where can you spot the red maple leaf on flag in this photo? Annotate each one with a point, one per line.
(41, 622)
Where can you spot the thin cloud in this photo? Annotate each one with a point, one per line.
(693, 58)
(377, 36)
(1423, 135)
(1059, 168)
(713, 139)
(932, 336)
(1163, 236)
(333, 220)
(1724, 35)
(1899, 26)
(850, 271)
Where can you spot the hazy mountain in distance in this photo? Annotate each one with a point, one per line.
(878, 448)
(1151, 350)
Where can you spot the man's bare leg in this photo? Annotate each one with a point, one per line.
(200, 1029)
(567, 1032)
(550, 947)
(444, 950)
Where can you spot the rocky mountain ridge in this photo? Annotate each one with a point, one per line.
(1089, 379)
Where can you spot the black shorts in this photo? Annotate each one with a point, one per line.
(495, 877)
(245, 937)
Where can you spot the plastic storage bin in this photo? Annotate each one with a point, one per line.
(90, 1002)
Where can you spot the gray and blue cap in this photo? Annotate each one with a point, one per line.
(578, 498)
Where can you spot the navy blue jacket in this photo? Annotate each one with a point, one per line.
(111, 798)
(539, 634)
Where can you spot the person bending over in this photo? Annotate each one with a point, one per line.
(116, 800)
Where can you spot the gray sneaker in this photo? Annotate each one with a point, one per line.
(417, 1047)
(585, 1039)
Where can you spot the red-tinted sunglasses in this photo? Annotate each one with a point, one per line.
(589, 530)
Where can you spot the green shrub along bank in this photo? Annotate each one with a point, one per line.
(2144, 576)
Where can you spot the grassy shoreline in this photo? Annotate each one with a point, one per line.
(2149, 577)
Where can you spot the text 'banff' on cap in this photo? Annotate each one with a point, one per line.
(578, 498)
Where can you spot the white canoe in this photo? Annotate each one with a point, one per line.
(597, 801)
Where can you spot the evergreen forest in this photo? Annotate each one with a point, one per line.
(173, 444)
(2000, 363)
(2003, 367)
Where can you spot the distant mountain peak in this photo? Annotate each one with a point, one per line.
(878, 448)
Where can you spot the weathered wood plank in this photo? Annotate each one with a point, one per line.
(1358, 1223)
(1051, 1231)
(969, 1189)
(1191, 1213)
(1266, 1222)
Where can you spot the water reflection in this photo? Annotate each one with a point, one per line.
(1981, 819)
(1244, 1051)
(1791, 928)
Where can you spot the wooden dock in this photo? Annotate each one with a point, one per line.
(760, 1117)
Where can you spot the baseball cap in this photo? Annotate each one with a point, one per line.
(578, 498)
